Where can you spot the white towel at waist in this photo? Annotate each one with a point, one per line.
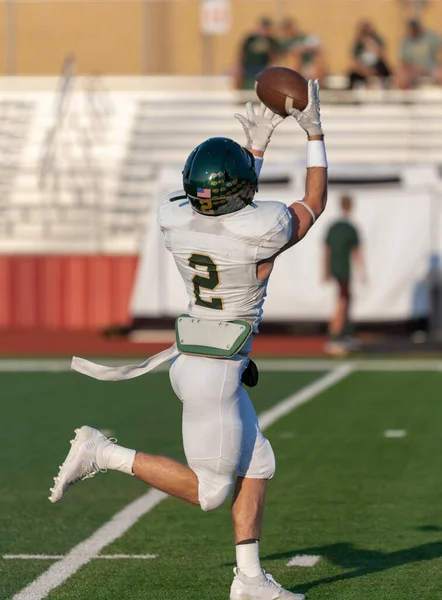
(122, 372)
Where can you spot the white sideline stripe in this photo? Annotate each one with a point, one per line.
(303, 560)
(81, 554)
(395, 433)
(268, 417)
(138, 556)
(29, 366)
(59, 556)
(294, 364)
(265, 364)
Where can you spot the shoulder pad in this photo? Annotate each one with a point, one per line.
(173, 209)
(174, 196)
(259, 220)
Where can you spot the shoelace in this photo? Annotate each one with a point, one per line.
(89, 475)
(272, 580)
(97, 470)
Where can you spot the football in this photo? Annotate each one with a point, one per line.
(281, 89)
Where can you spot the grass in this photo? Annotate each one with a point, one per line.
(368, 505)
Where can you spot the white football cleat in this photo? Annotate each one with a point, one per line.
(80, 463)
(263, 587)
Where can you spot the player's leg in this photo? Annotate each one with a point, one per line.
(248, 509)
(212, 434)
(256, 467)
(210, 390)
(92, 452)
(348, 332)
(221, 436)
(211, 393)
(339, 318)
(167, 475)
(338, 321)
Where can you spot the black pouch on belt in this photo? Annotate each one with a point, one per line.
(251, 374)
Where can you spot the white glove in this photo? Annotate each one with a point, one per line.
(258, 127)
(310, 118)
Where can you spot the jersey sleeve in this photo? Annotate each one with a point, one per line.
(169, 216)
(162, 219)
(161, 216)
(278, 234)
(166, 212)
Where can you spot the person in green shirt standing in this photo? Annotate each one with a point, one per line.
(257, 52)
(342, 248)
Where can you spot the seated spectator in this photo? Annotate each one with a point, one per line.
(420, 56)
(257, 52)
(300, 51)
(368, 57)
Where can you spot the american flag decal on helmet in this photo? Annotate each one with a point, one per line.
(204, 193)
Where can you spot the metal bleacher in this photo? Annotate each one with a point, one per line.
(393, 132)
(79, 163)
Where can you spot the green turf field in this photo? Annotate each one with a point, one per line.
(369, 506)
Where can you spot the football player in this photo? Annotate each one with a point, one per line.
(224, 244)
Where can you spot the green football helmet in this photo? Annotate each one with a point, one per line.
(219, 177)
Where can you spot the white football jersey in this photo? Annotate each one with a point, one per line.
(217, 256)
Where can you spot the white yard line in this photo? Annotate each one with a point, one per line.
(59, 556)
(33, 556)
(81, 554)
(268, 417)
(303, 560)
(395, 433)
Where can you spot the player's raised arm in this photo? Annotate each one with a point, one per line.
(306, 211)
(258, 128)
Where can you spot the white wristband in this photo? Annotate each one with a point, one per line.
(258, 165)
(258, 146)
(316, 156)
(308, 208)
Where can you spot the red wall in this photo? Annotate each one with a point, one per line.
(65, 292)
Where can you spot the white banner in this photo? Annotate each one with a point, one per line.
(215, 17)
(398, 239)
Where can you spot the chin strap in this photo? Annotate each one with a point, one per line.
(258, 165)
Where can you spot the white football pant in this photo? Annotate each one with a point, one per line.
(221, 435)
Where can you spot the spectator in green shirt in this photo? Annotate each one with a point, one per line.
(420, 56)
(342, 247)
(257, 52)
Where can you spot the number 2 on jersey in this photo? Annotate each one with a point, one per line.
(206, 282)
